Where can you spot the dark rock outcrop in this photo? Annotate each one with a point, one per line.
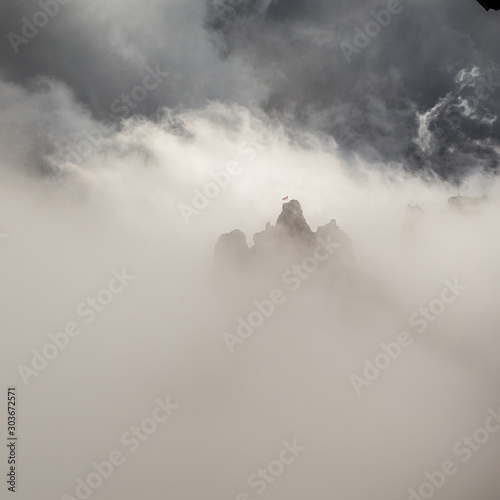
(278, 246)
(231, 250)
(467, 203)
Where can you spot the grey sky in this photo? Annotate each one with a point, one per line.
(287, 58)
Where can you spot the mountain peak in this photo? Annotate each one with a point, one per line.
(293, 222)
(290, 240)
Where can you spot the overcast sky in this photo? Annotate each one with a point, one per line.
(401, 97)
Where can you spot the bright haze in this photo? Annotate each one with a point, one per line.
(135, 134)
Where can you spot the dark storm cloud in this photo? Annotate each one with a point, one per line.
(101, 50)
(298, 60)
(370, 98)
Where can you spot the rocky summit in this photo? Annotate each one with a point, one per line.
(289, 240)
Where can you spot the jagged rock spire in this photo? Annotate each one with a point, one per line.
(231, 250)
(293, 222)
(290, 239)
